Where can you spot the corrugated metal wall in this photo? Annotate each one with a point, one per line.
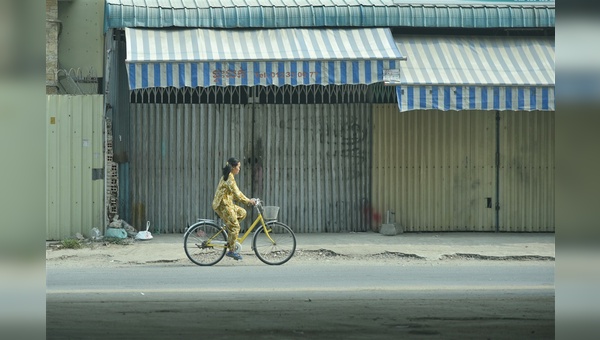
(436, 170)
(312, 160)
(177, 153)
(527, 171)
(433, 169)
(325, 13)
(75, 165)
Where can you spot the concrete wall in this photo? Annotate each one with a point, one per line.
(81, 38)
(52, 29)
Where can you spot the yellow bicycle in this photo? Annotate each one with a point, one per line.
(273, 242)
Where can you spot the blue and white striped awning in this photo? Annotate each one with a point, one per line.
(475, 73)
(209, 57)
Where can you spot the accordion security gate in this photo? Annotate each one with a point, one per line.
(305, 148)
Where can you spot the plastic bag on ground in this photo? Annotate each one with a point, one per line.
(144, 234)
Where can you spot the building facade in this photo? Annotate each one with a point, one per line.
(344, 113)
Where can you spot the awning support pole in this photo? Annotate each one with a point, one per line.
(497, 205)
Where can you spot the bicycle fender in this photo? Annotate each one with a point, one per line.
(256, 233)
(204, 221)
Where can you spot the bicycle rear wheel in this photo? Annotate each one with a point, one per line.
(276, 248)
(205, 243)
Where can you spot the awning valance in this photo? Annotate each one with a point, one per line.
(475, 73)
(208, 57)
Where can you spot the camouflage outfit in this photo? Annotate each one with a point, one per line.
(231, 214)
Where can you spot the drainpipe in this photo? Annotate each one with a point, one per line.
(497, 205)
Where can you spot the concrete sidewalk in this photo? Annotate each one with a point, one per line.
(431, 246)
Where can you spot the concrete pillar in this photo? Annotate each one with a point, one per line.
(53, 27)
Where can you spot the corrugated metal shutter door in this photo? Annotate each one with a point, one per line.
(178, 151)
(313, 162)
(434, 169)
(527, 171)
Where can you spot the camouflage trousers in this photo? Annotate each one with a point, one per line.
(231, 215)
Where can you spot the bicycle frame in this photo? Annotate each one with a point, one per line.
(257, 220)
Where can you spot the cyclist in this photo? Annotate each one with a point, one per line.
(228, 192)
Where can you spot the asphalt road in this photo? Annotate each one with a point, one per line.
(478, 300)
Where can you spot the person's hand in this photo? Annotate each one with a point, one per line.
(253, 201)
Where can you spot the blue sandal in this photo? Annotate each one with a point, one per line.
(234, 255)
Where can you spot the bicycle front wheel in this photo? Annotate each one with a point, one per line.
(275, 246)
(205, 244)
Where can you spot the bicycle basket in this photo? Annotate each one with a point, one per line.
(270, 212)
